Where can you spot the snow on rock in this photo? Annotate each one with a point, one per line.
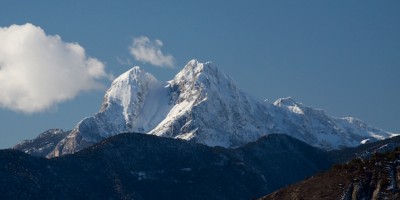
(366, 141)
(316, 128)
(204, 105)
(135, 102)
(209, 109)
(43, 144)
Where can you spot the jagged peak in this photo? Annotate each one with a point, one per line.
(132, 78)
(192, 62)
(135, 69)
(288, 101)
(197, 72)
(194, 67)
(128, 86)
(135, 73)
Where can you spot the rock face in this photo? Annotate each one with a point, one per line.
(202, 104)
(43, 144)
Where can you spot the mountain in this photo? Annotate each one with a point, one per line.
(140, 166)
(365, 151)
(375, 178)
(43, 144)
(202, 104)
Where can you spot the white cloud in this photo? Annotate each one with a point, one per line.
(37, 71)
(147, 51)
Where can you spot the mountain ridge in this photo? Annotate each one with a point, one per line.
(204, 105)
(141, 166)
(43, 144)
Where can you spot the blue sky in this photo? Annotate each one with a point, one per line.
(340, 56)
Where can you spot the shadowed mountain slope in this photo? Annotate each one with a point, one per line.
(139, 166)
(374, 178)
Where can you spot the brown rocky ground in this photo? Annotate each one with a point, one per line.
(376, 178)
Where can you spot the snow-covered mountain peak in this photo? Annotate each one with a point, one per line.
(129, 88)
(209, 108)
(197, 73)
(134, 72)
(196, 81)
(135, 94)
(203, 104)
(135, 102)
(192, 63)
(133, 77)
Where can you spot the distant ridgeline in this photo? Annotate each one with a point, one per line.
(140, 166)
